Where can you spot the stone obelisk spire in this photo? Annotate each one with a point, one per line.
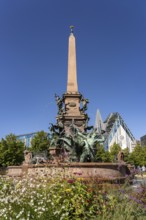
(72, 86)
(73, 105)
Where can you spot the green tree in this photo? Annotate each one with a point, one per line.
(11, 151)
(126, 155)
(114, 150)
(138, 156)
(143, 161)
(102, 155)
(40, 142)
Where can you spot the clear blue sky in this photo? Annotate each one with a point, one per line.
(111, 60)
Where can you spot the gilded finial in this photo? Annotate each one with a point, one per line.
(72, 28)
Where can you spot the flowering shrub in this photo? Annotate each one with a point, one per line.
(61, 199)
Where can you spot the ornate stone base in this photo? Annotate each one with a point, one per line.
(73, 112)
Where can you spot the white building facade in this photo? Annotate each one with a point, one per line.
(116, 131)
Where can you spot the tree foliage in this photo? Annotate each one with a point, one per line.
(102, 155)
(126, 155)
(114, 150)
(40, 142)
(138, 156)
(11, 151)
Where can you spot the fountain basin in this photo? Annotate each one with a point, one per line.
(84, 171)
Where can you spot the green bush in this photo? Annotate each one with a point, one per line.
(11, 151)
(40, 142)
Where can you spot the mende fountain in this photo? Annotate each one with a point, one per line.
(73, 142)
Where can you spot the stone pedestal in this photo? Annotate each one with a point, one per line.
(72, 112)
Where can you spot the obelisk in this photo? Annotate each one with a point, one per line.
(72, 86)
(72, 112)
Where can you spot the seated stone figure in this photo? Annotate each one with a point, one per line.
(120, 156)
(27, 157)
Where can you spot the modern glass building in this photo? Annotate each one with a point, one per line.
(115, 131)
(26, 138)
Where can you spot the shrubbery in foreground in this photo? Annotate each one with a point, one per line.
(60, 199)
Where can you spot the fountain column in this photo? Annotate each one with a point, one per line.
(72, 98)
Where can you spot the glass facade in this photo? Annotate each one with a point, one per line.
(26, 138)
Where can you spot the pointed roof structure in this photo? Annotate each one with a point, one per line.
(111, 119)
(72, 86)
(99, 122)
(115, 131)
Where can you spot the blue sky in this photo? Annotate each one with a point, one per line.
(111, 60)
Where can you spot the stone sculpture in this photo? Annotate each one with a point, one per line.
(59, 102)
(39, 158)
(27, 157)
(54, 130)
(84, 104)
(120, 156)
(34, 158)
